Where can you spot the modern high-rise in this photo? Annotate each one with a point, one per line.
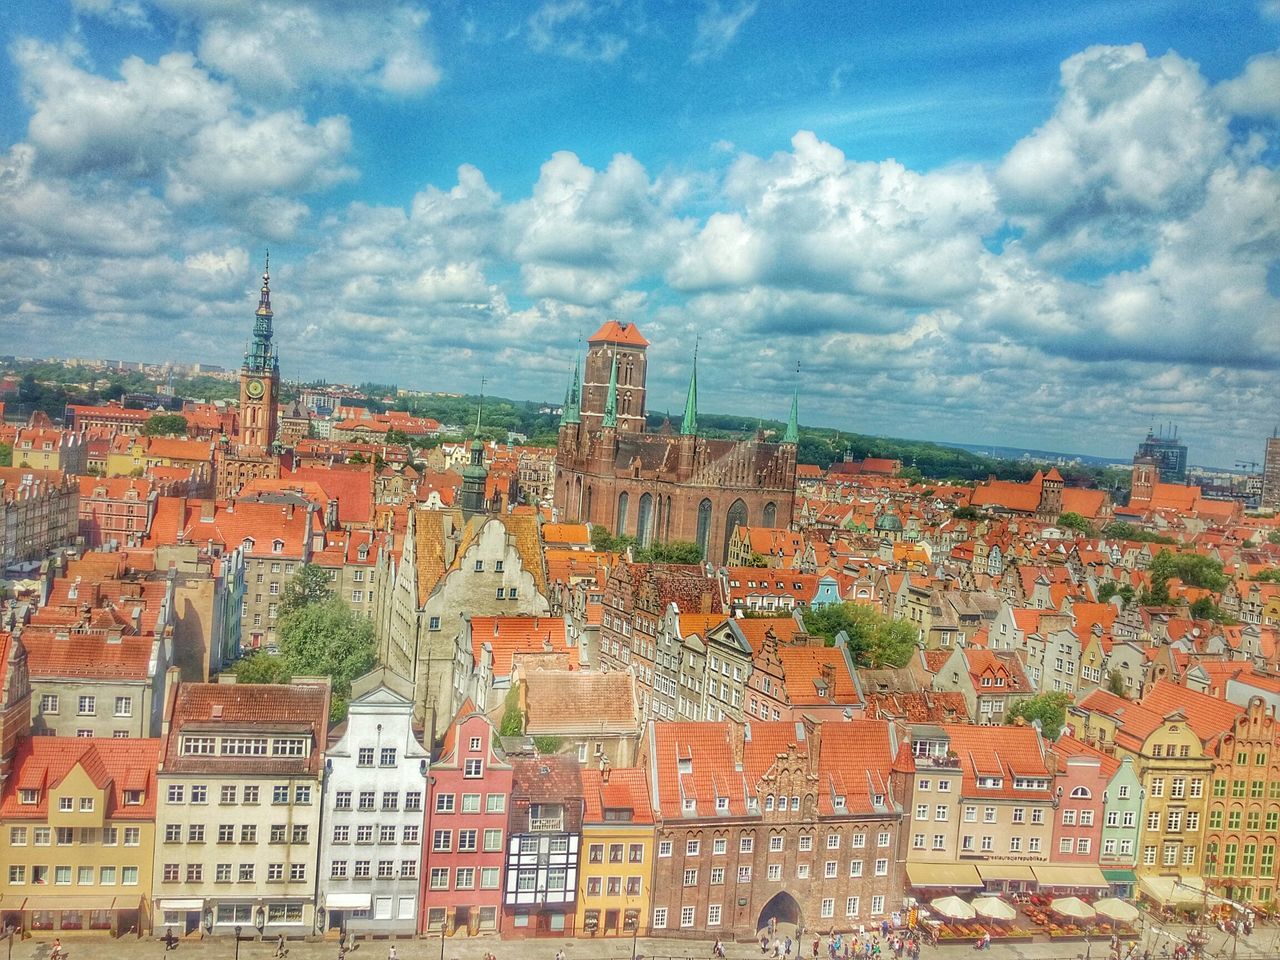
(1169, 452)
(1271, 473)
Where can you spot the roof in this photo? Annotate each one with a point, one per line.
(507, 636)
(53, 654)
(613, 331)
(817, 676)
(1208, 716)
(626, 788)
(116, 765)
(753, 629)
(565, 701)
(1015, 751)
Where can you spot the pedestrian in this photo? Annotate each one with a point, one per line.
(817, 942)
(777, 947)
(786, 947)
(391, 953)
(764, 944)
(280, 952)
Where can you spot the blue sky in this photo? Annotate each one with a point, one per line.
(1028, 224)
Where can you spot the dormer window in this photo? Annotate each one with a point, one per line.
(722, 804)
(277, 546)
(690, 805)
(28, 796)
(247, 544)
(684, 766)
(133, 798)
(990, 783)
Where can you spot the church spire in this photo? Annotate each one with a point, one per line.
(793, 422)
(572, 404)
(260, 357)
(611, 400)
(689, 425)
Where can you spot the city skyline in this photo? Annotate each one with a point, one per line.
(1029, 229)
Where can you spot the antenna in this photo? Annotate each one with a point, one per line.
(480, 406)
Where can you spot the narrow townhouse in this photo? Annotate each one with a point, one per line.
(618, 836)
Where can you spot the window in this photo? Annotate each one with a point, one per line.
(495, 803)
(364, 757)
(413, 800)
(692, 848)
(744, 873)
(177, 792)
(444, 802)
(364, 833)
(249, 833)
(877, 906)
(686, 916)
(855, 868)
(472, 769)
(851, 906)
(49, 703)
(129, 876)
(805, 843)
(387, 758)
(87, 706)
(124, 707)
(659, 918)
(341, 833)
(691, 877)
(338, 869)
(439, 878)
(664, 848)
(275, 871)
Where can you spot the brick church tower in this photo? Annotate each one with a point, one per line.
(661, 486)
(254, 451)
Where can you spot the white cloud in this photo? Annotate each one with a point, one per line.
(1256, 92)
(576, 29)
(717, 27)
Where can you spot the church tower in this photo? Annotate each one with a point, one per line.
(617, 351)
(260, 378)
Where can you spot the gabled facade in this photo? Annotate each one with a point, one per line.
(615, 885)
(544, 837)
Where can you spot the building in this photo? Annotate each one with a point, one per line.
(116, 511)
(1271, 473)
(238, 821)
(544, 837)
(470, 792)
(38, 513)
(617, 834)
(77, 832)
(45, 447)
(1169, 453)
(661, 486)
(797, 822)
(595, 716)
(371, 850)
(254, 453)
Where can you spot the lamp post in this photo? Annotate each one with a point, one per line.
(237, 941)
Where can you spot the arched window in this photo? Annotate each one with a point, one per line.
(736, 517)
(644, 518)
(621, 527)
(704, 525)
(770, 514)
(1081, 793)
(586, 508)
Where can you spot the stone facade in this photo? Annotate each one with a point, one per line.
(659, 486)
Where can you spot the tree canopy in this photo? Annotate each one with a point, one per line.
(677, 551)
(165, 425)
(309, 585)
(1119, 530)
(1074, 521)
(1049, 708)
(874, 639)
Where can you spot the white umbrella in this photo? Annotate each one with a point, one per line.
(953, 908)
(993, 908)
(1072, 907)
(1116, 909)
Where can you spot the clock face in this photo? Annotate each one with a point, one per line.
(254, 388)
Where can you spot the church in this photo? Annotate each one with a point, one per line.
(661, 486)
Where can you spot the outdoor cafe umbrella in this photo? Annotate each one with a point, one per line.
(953, 908)
(993, 908)
(1072, 907)
(1116, 909)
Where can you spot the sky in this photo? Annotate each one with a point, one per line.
(1030, 224)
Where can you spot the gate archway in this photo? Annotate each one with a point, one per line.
(783, 909)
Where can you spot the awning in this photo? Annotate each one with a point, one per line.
(949, 875)
(1060, 876)
(190, 904)
(1005, 871)
(75, 903)
(1120, 876)
(347, 901)
(1173, 892)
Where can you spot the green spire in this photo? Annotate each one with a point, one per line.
(611, 401)
(689, 425)
(793, 422)
(572, 413)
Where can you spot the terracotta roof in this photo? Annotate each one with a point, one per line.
(42, 763)
(1208, 716)
(754, 629)
(87, 656)
(1068, 746)
(614, 332)
(565, 533)
(806, 683)
(626, 789)
(507, 636)
(1006, 752)
(563, 702)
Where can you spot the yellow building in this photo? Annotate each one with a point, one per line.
(617, 838)
(77, 836)
(1172, 734)
(133, 456)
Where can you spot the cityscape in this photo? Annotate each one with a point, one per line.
(582, 473)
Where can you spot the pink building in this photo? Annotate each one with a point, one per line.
(466, 829)
(1080, 784)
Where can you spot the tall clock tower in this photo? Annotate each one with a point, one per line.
(260, 379)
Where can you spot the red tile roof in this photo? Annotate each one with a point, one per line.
(507, 636)
(42, 763)
(626, 789)
(622, 333)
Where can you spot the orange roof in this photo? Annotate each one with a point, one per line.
(626, 789)
(805, 683)
(507, 636)
(42, 763)
(621, 333)
(1208, 716)
(565, 533)
(1015, 751)
(564, 701)
(754, 629)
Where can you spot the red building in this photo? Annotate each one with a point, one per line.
(466, 830)
(1080, 784)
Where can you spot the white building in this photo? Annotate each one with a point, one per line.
(375, 781)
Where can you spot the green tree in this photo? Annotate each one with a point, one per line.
(1119, 530)
(1049, 708)
(309, 585)
(1193, 569)
(548, 744)
(677, 551)
(1074, 521)
(165, 425)
(1110, 588)
(757, 560)
(1273, 537)
(1206, 609)
(1270, 575)
(1115, 682)
(6, 455)
(967, 513)
(512, 722)
(603, 540)
(327, 638)
(262, 667)
(874, 640)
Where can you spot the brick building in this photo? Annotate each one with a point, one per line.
(661, 486)
(796, 822)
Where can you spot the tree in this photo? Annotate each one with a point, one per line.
(874, 640)
(1111, 589)
(1115, 682)
(1205, 609)
(1049, 708)
(512, 723)
(262, 667)
(757, 560)
(327, 638)
(1270, 575)
(1074, 521)
(6, 454)
(967, 513)
(677, 551)
(1193, 569)
(1273, 537)
(603, 540)
(1119, 530)
(309, 585)
(165, 425)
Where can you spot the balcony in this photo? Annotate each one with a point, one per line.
(932, 761)
(546, 824)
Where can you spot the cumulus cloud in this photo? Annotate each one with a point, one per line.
(717, 27)
(1256, 92)
(274, 47)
